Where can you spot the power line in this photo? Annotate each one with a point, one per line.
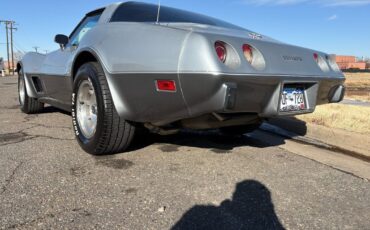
(20, 47)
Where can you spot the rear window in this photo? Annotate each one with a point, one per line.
(143, 12)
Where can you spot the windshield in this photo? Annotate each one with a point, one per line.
(143, 12)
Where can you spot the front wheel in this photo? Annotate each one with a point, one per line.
(27, 104)
(98, 127)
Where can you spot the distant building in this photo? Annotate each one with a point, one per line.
(8, 65)
(350, 62)
(345, 59)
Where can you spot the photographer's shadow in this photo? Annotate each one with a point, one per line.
(250, 208)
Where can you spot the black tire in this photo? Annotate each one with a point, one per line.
(239, 130)
(27, 104)
(113, 134)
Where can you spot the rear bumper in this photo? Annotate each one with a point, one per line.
(254, 94)
(137, 99)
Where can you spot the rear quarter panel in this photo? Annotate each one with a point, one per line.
(125, 47)
(133, 56)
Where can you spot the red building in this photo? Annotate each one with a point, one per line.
(350, 62)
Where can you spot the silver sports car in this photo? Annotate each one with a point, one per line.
(133, 65)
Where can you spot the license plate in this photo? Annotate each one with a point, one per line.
(292, 99)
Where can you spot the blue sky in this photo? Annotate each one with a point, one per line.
(333, 26)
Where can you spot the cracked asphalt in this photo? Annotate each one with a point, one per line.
(192, 180)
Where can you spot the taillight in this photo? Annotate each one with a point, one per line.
(248, 52)
(221, 51)
(321, 62)
(316, 57)
(332, 62)
(254, 57)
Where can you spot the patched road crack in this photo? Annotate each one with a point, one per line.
(11, 178)
(78, 211)
(21, 136)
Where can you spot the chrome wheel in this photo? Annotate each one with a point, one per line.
(21, 90)
(87, 109)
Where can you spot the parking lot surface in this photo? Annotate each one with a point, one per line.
(187, 181)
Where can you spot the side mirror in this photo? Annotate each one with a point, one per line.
(62, 40)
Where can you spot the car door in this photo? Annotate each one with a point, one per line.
(57, 64)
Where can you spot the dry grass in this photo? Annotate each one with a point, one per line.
(347, 117)
(358, 86)
(357, 80)
(361, 96)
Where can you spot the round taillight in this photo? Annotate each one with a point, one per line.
(332, 62)
(321, 62)
(316, 57)
(221, 51)
(248, 52)
(254, 57)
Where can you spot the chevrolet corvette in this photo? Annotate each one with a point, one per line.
(135, 65)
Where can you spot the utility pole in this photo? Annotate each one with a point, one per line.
(11, 44)
(7, 23)
(36, 48)
(7, 44)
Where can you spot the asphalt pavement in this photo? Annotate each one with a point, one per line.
(355, 102)
(192, 180)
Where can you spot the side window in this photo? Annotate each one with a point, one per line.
(87, 24)
(135, 12)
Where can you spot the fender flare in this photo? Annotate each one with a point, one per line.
(118, 104)
(29, 86)
(92, 52)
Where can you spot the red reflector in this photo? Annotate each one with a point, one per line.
(166, 85)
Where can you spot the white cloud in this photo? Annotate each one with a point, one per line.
(333, 17)
(318, 2)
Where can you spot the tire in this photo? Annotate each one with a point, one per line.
(239, 130)
(27, 104)
(98, 128)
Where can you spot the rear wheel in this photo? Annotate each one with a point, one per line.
(98, 127)
(239, 130)
(28, 104)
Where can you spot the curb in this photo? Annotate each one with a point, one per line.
(317, 143)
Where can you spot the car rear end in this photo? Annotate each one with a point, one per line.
(240, 72)
(203, 73)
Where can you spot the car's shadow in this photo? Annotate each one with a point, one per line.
(251, 207)
(51, 109)
(220, 143)
(291, 124)
(212, 139)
